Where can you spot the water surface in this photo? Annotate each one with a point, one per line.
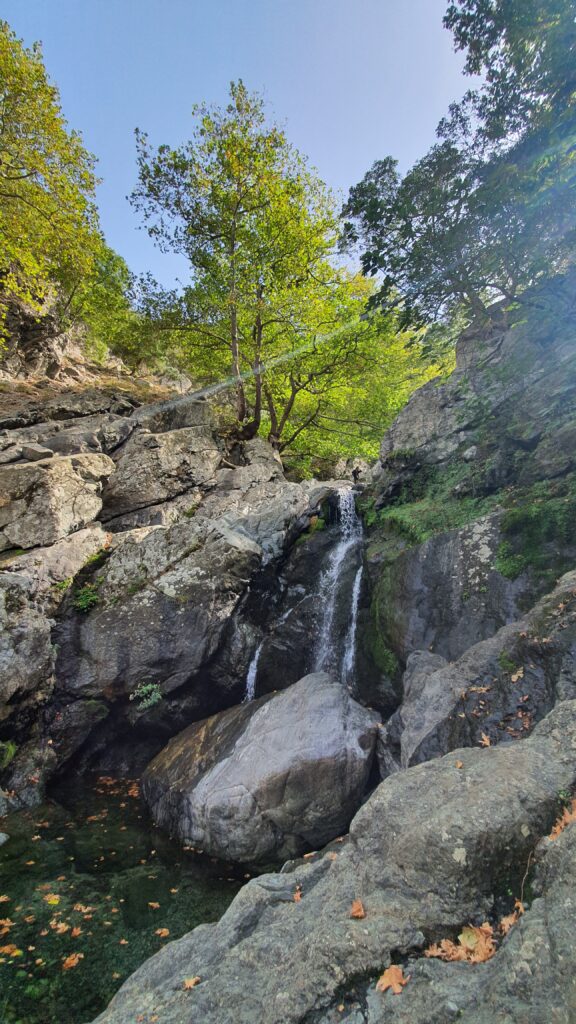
(88, 890)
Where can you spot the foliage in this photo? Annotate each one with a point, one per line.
(86, 597)
(490, 209)
(475, 945)
(392, 978)
(147, 695)
(266, 315)
(538, 528)
(48, 223)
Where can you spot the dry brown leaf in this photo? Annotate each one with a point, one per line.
(76, 932)
(459, 764)
(393, 978)
(189, 983)
(357, 909)
(162, 932)
(567, 817)
(297, 894)
(475, 945)
(517, 675)
(153, 905)
(4, 899)
(485, 740)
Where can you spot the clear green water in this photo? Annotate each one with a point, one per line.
(87, 889)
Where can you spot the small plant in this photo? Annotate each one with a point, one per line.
(86, 597)
(63, 585)
(97, 558)
(505, 662)
(147, 695)
(7, 753)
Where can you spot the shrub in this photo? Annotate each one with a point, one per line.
(147, 695)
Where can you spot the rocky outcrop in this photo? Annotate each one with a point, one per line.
(495, 692)
(266, 780)
(431, 850)
(44, 501)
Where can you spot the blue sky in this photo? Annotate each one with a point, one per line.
(351, 80)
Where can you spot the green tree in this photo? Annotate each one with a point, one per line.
(48, 222)
(490, 209)
(265, 304)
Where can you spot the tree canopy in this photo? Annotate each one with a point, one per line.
(490, 208)
(266, 304)
(48, 221)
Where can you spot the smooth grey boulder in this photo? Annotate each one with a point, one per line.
(269, 779)
(496, 691)
(433, 849)
(44, 501)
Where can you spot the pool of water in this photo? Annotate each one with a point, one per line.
(88, 890)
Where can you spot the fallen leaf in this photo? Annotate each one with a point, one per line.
(297, 894)
(393, 978)
(153, 906)
(485, 740)
(4, 899)
(51, 899)
(162, 932)
(123, 942)
(567, 817)
(76, 932)
(459, 764)
(517, 675)
(72, 961)
(10, 950)
(189, 983)
(475, 945)
(357, 909)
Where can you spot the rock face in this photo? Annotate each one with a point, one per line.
(432, 849)
(44, 501)
(495, 692)
(269, 779)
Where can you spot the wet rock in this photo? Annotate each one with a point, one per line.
(45, 501)
(446, 594)
(496, 691)
(269, 779)
(431, 850)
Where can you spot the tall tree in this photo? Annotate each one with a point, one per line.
(258, 229)
(48, 223)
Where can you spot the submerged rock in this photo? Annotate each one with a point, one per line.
(269, 779)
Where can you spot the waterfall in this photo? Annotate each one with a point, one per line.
(251, 674)
(335, 648)
(350, 646)
(333, 601)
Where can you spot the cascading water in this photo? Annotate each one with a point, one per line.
(338, 603)
(332, 608)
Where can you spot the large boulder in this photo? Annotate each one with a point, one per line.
(435, 847)
(44, 501)
(171, 592)
(152, 468)
(269, 779)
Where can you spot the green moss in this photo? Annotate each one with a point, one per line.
(538, 527)
(384, 658)
(7, 753)
(97, 559)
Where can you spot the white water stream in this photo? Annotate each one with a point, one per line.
(337, 600)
